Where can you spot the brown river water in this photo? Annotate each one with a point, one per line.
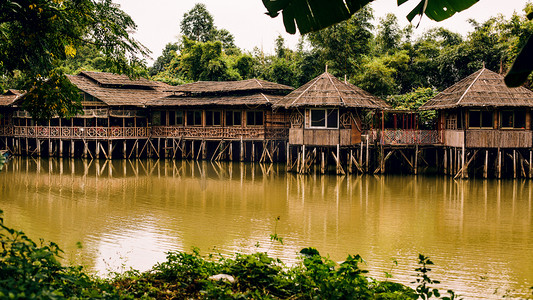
(479, 233)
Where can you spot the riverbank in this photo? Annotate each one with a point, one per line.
(30, 270)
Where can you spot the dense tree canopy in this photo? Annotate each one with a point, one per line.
(37, 36)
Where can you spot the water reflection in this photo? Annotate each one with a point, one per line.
(478, 232)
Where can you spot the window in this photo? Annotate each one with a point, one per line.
(233, 118)
(156, 118)
(212, 118)
(480, 119)
(171, 118)
(513, 119)
(179, 118)
(194, 118)
(324, 118)
(254, 118)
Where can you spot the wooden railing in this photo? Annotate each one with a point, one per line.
(406, 137)
(58, 132)
(246, 133)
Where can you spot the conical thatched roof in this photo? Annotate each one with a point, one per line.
(327, 90)
(481, 89)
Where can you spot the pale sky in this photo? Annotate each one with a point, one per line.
(158, 20)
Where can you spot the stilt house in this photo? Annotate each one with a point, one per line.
(325, 113)
(208, 118)
(114, 112)
(480, 114)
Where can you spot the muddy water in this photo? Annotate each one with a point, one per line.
(110, 216)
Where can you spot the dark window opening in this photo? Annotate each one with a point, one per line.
(254, 118)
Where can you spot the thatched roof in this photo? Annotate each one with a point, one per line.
(253, 99)
(117, 80)
(327, 90)
(231, 87)
(483, 88)
(118, 90)
(9, 97)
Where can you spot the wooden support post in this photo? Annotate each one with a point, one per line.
(27, 147)
(253, 152)
(137, 149)
(499, 166)
(38, 145)
(445, 161)
(192, 149)
(514, 163)
(50, 148)
(367, 167)
(530, 173)
(463, 154)
(204, 150)
(339, 167)
(241, 154)
(323, 163)
(85, 149)
(72, 148)
(97, 150)
(382, 161)
(109, 149)
(289, 162)
(350, 158)
(486, 165)
(302, 161)
(361, 154)
(230, 152)
(415, 166)
(124, 149)
(60, 148)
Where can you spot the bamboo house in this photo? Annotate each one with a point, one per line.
(484, 126)
(326, 117)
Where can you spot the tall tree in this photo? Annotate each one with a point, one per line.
(37, 35)
(198, 24)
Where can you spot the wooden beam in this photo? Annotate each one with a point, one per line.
(466, 165)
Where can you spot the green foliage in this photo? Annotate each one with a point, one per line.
(412, 101)
(37, 36)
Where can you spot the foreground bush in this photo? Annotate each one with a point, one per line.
(30, 270)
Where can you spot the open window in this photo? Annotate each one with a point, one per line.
(324, 118)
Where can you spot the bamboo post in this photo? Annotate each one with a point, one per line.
(124, 149)
(323, 163)
(350, 156)
(50, 148)
(109, 149)
(72, 148)
(289, 162)
(253, 151)
(192, 149)
(27, 147)
(445, 161)
(241, 154)
(499, 167)
(361, 154)
(97, 150)
(514, 163)
(302, 165)
(38, 147)
(530, 173)
(486, 166)
(204, 150)
(367, 154)
(415, 166)
(338, 159)
(60, 148)
(463, 160)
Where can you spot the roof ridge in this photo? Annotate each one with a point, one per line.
(339, 93)
(470, 86)
(313, 82)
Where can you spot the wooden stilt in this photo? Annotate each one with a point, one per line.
(289, 162)
(50, 148)
(97, 151)
(124, 149)
(338, 158)
(323, 162)
(204, 150)
(38, 141)
(514, 163)
(349, 159)
(109, 149)
(27, 147)
(499, 167)
(302, 161)
(463, 154)
(230, 153)
(486, 165)
(241, 154)
(72, 148)
(361, 154)
(415, 167)
(445, 161)
(60, 148)
(367, 166)
(530, 173)
(253, 152)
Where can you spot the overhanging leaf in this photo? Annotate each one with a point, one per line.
(522, 66)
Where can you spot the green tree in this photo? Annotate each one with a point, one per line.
(36, 36)
(342, 46)
(164, 60)
(198, 24)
